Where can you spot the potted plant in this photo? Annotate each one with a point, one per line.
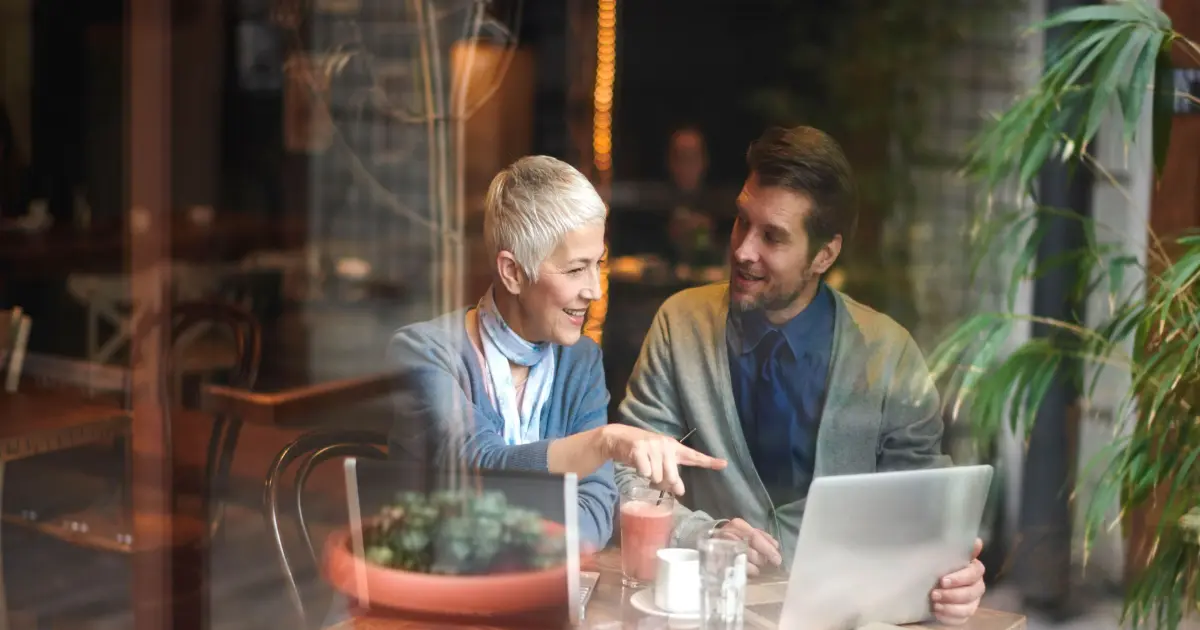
(460, 533)
(453, 552)
(1120, 52)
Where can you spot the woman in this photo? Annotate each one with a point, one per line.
(511, 380)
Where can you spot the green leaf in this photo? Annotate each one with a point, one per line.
(1133, 94)
(1116, 272)
(1033, 159)
(1099, 41)
(1184, 272)
(1184, 481)
(1120, 53)
(1152, 14)
(1069, 61)
(1120, 12)
(1024, 262)
(1164, 107)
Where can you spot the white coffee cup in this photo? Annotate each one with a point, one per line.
(677, 581)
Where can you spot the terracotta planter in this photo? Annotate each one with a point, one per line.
(443, 595)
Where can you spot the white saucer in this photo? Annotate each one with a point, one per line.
(643, 600)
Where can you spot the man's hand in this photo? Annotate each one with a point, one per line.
(957, 596)
(762, 549)
(656, 457)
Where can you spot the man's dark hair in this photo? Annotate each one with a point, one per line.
(809, 161)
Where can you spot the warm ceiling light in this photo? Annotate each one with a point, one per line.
(606, 72)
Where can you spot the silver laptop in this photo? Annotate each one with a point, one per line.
(871, 547)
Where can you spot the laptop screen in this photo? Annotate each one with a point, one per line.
(495, 540)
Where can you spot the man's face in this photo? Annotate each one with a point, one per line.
(771, 267)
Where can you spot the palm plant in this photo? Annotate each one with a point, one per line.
(1117, 60)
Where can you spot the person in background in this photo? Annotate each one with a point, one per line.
(510, 383)
(783, 376)
(690, 223)
(687, 160)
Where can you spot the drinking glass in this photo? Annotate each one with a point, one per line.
(722, 582)
(646, 516)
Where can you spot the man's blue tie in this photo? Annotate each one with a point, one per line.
(774, 418)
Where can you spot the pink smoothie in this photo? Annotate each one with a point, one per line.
(645, 528)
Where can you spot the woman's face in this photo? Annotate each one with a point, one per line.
(555, 307)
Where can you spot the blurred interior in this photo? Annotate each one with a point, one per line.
(214, 213)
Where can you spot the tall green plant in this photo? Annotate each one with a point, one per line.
(1118, 59)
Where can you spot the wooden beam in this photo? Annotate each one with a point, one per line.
(148, 231)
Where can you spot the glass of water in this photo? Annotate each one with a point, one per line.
(722, 582)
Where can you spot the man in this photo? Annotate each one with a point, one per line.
(783, 376)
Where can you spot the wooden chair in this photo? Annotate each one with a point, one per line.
(187, 318)
(308, 451)
(14, 337)
(109, 527)
(247, 356)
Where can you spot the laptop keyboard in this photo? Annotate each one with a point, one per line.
(587, 586)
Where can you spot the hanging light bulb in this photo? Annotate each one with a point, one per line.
(602, 97)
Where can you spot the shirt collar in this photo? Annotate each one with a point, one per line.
(748, 329)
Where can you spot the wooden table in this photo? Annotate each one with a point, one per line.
(293, 405)
(37, 421)
(103, 247)
(609, 608)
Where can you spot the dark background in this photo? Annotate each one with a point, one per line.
(694, 62)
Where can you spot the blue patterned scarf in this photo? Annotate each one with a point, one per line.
(500, 346)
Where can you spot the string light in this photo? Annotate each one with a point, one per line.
(606, 72)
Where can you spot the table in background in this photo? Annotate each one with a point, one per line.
(37, 420)
(610, 608)
(103, 246)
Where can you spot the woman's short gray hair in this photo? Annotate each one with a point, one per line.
(531, 206)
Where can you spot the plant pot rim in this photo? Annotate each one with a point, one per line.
(438, 594)
(341, 539)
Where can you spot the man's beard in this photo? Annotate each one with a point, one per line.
(772, 300)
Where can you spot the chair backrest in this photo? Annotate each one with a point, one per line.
(188, 317)
(14, 337)
(308, 451)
